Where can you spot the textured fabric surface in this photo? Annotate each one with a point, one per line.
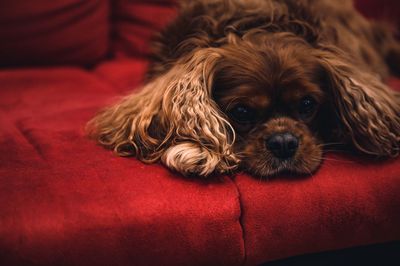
(349, 202)
(66, 201)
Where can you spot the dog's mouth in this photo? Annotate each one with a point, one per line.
(266, 168)
(273, 167)
(304, 162)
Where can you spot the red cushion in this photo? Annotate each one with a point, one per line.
(349, 202)
(64, 200)
(53, 32)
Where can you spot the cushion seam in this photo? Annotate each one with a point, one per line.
(240, 221)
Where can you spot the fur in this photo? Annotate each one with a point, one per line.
(268, 56)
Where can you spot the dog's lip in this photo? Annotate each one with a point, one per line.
(285, 170)
(285, 162)
(282, 164)
(289, 165)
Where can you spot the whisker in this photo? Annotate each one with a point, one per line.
(330, 143)
(341, 151)
(337, 160)
(308, 169)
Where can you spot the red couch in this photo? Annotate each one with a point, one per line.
(66, 201)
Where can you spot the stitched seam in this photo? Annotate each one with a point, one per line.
(30, 140)
(240, 220)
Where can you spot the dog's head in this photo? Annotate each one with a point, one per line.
(273, 91)
(269, 102)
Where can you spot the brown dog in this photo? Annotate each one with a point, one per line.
(261, 84)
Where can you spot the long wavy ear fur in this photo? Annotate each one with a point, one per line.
(367, 108)
(174, 119)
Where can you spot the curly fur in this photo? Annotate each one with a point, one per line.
(369, 110)
(199, 65)
(196, 138)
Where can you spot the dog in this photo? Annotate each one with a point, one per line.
(260, 85)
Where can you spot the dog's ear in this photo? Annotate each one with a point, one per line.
(174, 119)
(368, 110)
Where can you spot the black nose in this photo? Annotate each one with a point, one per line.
(283, 145)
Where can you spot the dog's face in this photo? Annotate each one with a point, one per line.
(275, 101)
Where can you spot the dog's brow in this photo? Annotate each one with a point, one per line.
(253, 96)
(296, 92)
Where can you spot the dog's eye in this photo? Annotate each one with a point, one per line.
(243, 114)
(307, 106)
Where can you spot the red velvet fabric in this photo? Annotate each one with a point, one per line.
(349, 202)
(66, 201)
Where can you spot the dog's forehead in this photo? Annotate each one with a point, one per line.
(283, 92)
(273, 84)
(265, 79)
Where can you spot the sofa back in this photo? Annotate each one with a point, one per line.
(53, 32)
(78, 32)
(83, 32)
